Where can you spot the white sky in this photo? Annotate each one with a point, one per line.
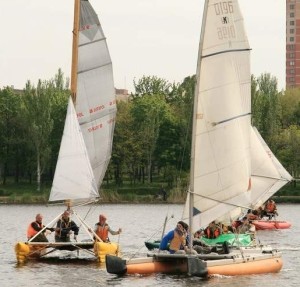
(145, 37)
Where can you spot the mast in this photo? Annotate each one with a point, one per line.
(195, 118)
(75, 50)
(74, 66)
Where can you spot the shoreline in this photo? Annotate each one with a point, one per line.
(9, 201)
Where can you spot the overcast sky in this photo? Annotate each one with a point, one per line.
(145, 37)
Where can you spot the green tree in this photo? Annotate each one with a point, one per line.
(127, 147)
(37, 111)
(290, 103)
(10, 132)
(58, 88)
(266, 107)
(151, 85)
(148, 113)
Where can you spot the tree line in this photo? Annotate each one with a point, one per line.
(152, 138)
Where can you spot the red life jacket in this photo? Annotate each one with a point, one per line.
(212, 234)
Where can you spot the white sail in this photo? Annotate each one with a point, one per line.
(268, 174)
(95, 106)
(95, 101)
(73, 178)
(221, 170)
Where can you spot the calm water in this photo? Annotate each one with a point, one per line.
(139, 223)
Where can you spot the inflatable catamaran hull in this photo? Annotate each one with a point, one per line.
(36, 250)
(197, 265)
(271, 224)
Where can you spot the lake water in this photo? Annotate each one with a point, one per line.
(139, 223)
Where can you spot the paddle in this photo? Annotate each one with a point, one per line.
(118, 244)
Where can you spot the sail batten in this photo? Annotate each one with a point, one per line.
(224, 52)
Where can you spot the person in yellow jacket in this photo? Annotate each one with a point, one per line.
(177, 239)
(35, 227)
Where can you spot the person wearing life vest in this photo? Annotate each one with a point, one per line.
(176, 238)
(212, 230)
(270, 208)
(102, 229)
(64, 228)
(35, 227)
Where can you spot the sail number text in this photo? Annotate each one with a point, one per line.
(227, 30)
(223, 8)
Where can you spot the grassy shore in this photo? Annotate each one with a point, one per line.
(25, 193)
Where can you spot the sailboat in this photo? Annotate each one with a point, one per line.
(220, 177)
(87, 138)
(267, 176)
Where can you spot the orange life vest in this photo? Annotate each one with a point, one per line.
(102, 232)
(270, 207)
(177, 241)
(31, 231)
(212, 234)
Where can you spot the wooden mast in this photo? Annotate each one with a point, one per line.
(74, 67)
(75, 50)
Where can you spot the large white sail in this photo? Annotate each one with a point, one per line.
(221, 170)
(95, 101)
(268, 174)
(73, 178)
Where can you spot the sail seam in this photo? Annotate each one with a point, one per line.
(91, 42)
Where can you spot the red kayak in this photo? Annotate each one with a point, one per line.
(271, 224)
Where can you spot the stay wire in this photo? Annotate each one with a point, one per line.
(154, 234)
